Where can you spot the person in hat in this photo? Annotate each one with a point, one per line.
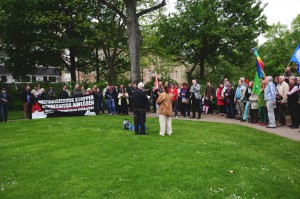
(4, 100)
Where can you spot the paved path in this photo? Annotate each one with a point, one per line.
(283, 131)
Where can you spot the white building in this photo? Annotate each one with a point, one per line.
(49, 74)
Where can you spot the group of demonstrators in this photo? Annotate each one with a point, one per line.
(267, 107)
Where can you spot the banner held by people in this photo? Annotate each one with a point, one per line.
(74, 106)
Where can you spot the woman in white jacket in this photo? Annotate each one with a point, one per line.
(254, 108)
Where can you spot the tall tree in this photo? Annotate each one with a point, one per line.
(203, 30)
(45, 32)
(109, 42)
(133, 29)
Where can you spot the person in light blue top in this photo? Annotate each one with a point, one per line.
(270, 99)
(239, 100)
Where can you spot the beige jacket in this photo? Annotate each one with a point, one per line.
(165, 104)
(283, 89)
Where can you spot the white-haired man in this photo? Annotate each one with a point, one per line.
(283, 89)
(270, 98)
(140, 106)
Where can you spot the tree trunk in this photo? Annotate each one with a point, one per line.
(133, 40)
(202, 69)
(97, 66)
(72, 65)
(111, 70)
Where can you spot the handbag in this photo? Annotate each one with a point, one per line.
(185, 100)
(278, 97)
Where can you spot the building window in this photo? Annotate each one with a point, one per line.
(26, 79)
(45, 79)
(3, 78)
(33, 78)
(52, 79)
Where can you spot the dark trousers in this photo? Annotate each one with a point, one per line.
(139, 121)
(196, 106)
(175, 107)
(154, 104)
(281, 112)
(254, 115)
(3, 113)
(230, 110)
(124, 107)
(293, 108)
(185, 109)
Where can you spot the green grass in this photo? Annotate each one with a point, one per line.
(15, 115)
(93, 157)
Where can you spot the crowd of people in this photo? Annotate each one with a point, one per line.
(267, 107)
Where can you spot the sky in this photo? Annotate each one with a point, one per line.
(283, 11)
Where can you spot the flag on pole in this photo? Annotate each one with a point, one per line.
(256, 85)
(260, 64)
(156, 82)
(296, 58)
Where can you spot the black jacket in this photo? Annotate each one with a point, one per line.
(3, 98)
(24, 96)
(64, 94)
(139, 100)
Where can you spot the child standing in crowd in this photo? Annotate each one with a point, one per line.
(205, 105)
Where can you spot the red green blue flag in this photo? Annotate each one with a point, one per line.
(260, 64)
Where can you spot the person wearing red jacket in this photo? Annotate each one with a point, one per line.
(174, 92)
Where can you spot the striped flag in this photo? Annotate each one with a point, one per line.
(260, 65)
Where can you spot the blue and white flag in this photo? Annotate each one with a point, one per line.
(296, 58)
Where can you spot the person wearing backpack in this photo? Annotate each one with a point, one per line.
(270, 99)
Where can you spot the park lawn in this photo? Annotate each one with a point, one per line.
(15, 115)
(93, 157)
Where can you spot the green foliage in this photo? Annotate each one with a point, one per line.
(279, 47)
(93, 157)
(204, 31)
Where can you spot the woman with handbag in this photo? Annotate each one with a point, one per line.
(165, 111)
(184, 97)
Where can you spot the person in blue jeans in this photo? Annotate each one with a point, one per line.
(110, 96)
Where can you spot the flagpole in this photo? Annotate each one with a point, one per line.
(286, 67)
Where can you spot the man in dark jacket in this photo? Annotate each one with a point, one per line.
(27, 98)
(140, 106)
(4, 99)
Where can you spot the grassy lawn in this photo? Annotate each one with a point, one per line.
(15, 115)
(93, 157)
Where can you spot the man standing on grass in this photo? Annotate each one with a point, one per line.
(140, 106)
(27, 97)
(4, 99)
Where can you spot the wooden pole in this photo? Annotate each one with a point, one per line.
(286, 67)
